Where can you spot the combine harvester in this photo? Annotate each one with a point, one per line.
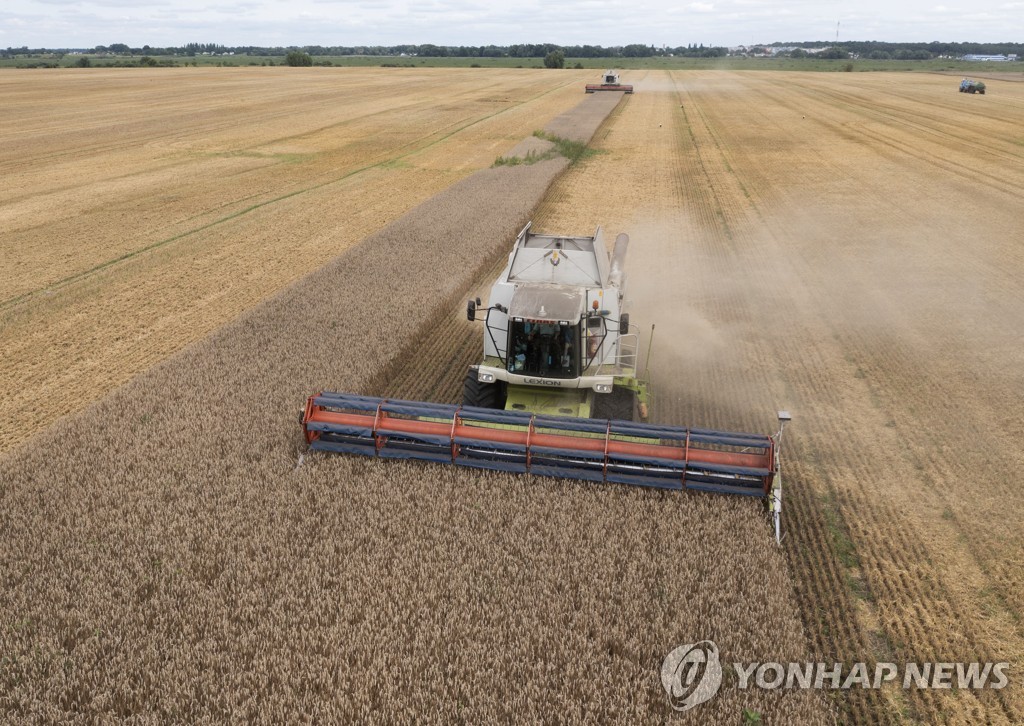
(610, 83)
(557, 392)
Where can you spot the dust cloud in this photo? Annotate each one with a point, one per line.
(733, 306)
(718, 84)
(891, 283)
(661, 83)
(677, 282)
(664, 288)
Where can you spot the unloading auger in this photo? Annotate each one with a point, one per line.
(557, 392)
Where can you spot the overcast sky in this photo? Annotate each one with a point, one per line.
(88, 23)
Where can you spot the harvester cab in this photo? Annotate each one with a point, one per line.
(557, 338)
(555, 393)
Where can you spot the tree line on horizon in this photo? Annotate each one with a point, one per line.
(429, 50)
(909, 51)
(863, 49)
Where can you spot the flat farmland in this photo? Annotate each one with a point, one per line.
(845, 246)
(850, 248)
(173, 552)
(141, 210)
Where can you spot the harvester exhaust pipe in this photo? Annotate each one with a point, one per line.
(618, 273)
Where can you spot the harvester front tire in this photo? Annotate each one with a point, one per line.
(620, 405)
(481, 395)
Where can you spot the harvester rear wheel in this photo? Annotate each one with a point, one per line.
(481, 395)
(620, 404)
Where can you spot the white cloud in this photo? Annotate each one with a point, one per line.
(48, 23)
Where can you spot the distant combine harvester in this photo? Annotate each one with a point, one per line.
(610, 83)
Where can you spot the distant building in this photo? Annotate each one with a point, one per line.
(977, 57)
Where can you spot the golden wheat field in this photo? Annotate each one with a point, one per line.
(140, 211)
(183, 269)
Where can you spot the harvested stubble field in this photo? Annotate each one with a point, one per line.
(843, 245)
(849, 248)
(141, 209)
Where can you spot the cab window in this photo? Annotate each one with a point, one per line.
(544, 348)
